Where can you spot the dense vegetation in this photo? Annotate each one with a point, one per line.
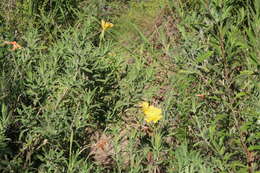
(70, 92)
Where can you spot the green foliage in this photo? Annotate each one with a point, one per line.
(55, 92)
(216, 62)
(189, 161)
(68, 103)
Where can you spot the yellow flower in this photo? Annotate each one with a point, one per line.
(106, 25)
(152, 114)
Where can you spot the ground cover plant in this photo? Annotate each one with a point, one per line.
(130, 86)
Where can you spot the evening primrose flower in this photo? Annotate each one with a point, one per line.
(152, 114)
(106, 25)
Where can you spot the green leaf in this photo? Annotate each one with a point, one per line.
(240, 94)
(204, 56)
(4, 110)
(246, 72)
(254, 147)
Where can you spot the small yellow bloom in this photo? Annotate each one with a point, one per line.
(152, 114)
(106, 25)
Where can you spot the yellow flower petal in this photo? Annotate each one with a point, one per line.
(106, 25)
(152, 114)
